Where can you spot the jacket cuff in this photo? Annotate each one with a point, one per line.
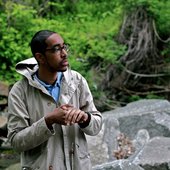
(86, 123)
(50, 130)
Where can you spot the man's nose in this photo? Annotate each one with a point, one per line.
(64, 52)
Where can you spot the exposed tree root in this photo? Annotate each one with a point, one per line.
(139, 67)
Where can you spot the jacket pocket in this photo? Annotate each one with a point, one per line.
(40, 163)
(84, 155)
(83, 158)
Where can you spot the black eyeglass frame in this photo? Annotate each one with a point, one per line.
(58, 48)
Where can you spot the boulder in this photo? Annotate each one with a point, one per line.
(3, 121)
(118, 165)
(131, 133)
(4, 89)
(152, 115)
(155, 155)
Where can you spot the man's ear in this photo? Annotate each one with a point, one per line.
(40, 58)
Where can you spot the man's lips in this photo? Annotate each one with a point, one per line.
(64, 63)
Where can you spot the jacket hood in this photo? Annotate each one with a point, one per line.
(27, 67)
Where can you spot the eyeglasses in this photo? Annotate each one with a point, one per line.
(58, 49)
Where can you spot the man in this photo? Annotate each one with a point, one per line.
(51, 109)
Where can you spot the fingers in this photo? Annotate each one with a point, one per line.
(56, 116)
(73, 115)
(82, 117)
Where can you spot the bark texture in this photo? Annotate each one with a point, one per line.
(140, 71)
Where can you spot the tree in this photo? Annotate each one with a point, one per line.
(139, 72)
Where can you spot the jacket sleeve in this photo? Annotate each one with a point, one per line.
(21, 134)
(87, 104)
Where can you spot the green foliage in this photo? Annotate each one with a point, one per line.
(151, 95)
(18, 16)
(133, 98)
(91, 38)
(13, 40)
(90, 27)
(158, 10)
(154, 96)
(161, 14)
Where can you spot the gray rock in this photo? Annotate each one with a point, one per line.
(141, 139)
(98, 149)
(3, 121)
(118, 165)
(152, 115)
(4, 89)
(155, 155)
(146, 123)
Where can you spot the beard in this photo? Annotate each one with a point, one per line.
(60, 67)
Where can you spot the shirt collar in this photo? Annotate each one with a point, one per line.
(57, 82)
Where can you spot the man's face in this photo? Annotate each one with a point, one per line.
(55, 57)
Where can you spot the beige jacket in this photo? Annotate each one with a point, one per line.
(63, 148)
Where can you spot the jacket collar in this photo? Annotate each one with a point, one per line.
(29, 66)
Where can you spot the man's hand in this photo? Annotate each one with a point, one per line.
(57, 116)
(74, 115)
(65, 115)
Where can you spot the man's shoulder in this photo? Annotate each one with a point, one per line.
(76, 74)
(21, 81)
(78, 78)
(19, 85)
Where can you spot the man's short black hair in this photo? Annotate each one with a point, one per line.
(38, 44)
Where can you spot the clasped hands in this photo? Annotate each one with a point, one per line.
(66, 115)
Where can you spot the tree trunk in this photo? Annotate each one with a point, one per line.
(138, 71)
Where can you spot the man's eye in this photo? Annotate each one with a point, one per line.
(56, 49)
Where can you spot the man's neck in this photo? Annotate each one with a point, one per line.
(47, 77)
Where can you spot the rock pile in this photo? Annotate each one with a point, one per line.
(144, 127)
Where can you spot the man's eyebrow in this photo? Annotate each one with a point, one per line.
(55, 45)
